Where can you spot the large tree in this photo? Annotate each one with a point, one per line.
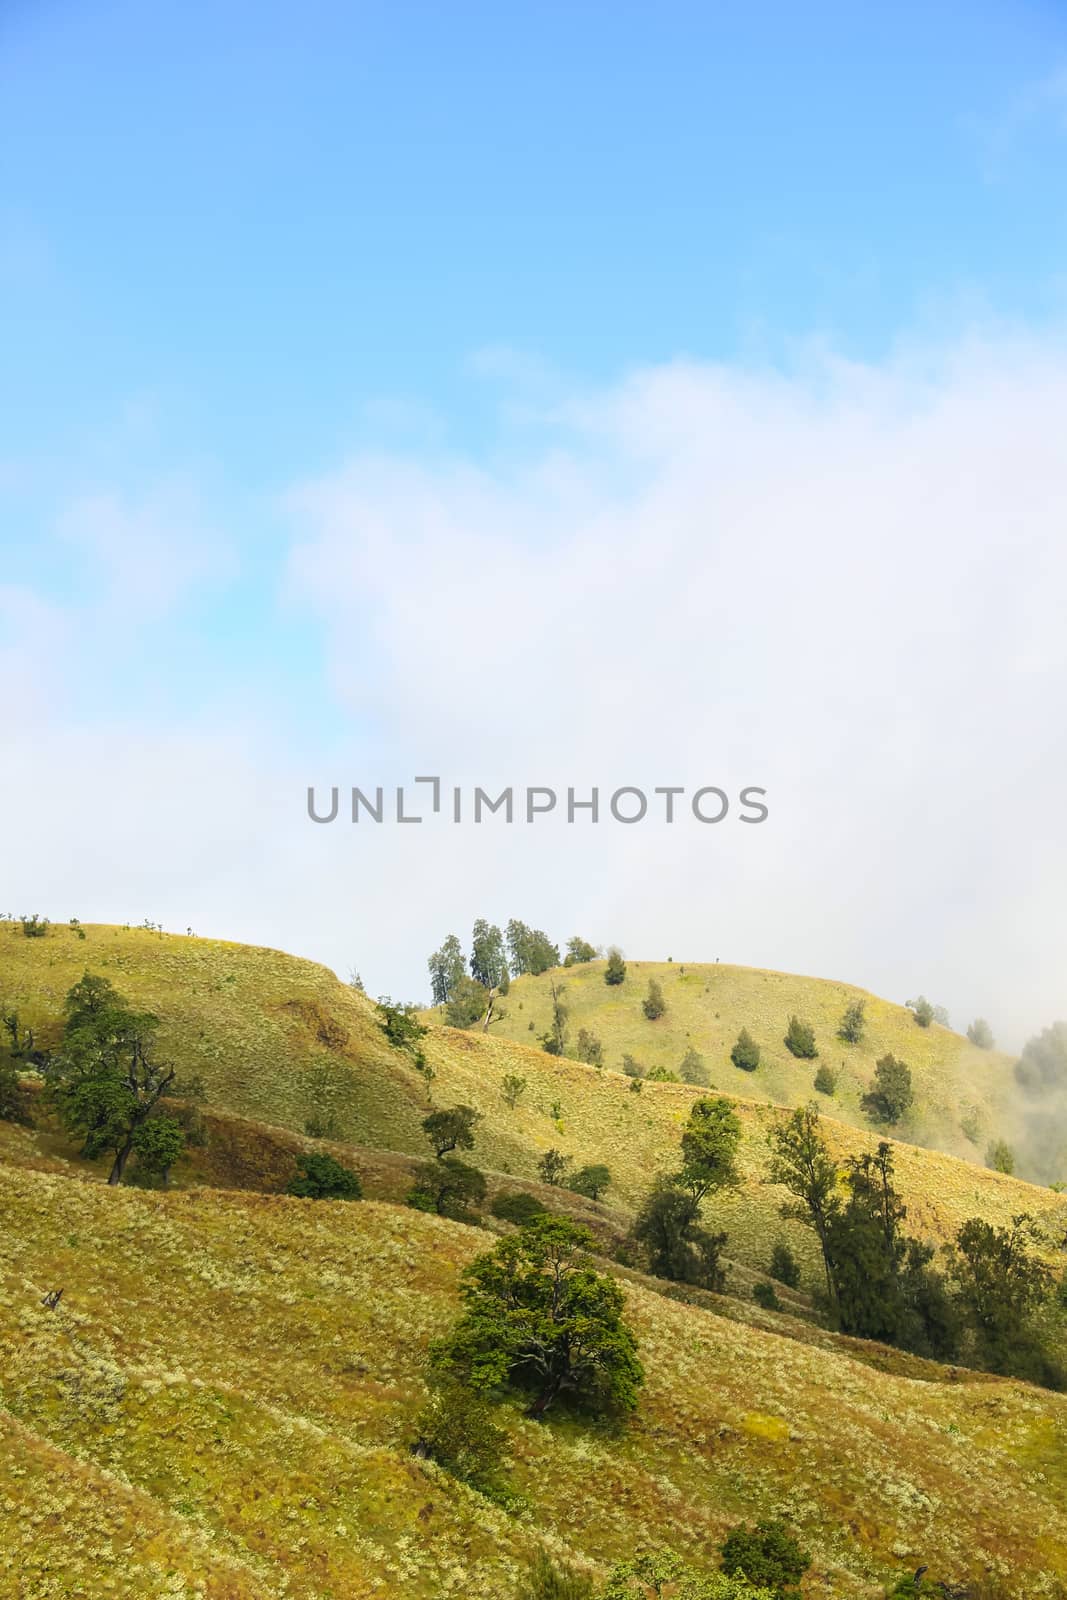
(530, 950)
(489, 965)
(452, 1129)
(106, 1080)
(447, 966)
(539, 1318)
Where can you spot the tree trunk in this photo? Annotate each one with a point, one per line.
(544, 1399)
(121, 1158)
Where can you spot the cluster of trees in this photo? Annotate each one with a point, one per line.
(760, 1562)
(880, 1283)
(668, 1229)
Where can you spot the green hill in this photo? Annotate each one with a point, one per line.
(956, 1084)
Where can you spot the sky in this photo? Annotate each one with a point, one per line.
(574, 396)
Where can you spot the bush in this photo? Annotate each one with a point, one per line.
(615, 971)
(456, 1429)
(547, 1581)
(589, 1048)
(513, 1088)
(448, 1187)
(320, 1177)
(784, 1266)
(764, 1296)
(1000, 1156)
(632, 1068)
(800, 1040)
(579, 951)
(745, 1053)
(981, 1034)
(692, 1069)
(661, 1075)
(853, 1023)
(826, 1079)
(924, 1011)
(35, 927)
(768, 1554)
(654, 1005)
(892, 1094)
(517, 1206)
(552, 1165)
(591, 1181)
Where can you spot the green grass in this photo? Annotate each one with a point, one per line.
(223, 1405)
(708, 1005)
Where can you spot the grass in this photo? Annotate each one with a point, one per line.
(226, 1396)
(708, 1005)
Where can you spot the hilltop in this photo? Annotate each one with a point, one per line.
(963, 1095)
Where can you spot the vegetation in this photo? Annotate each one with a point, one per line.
(447, 1186)
(513, 1088)
(825, 1080)
(554, 1042)
(767, 1554)
(654, 1005)
(530, 950)
(451, 1130)
(1000, 1156)
(467, 1003)
(517, 1206)
(800, 1040)
(457, 1428)
(693, 1069)
(591, 1181)
(981, 1034)
(552, 1167)
(745, 1053)
(892, 1094)
(615, 971)
(765, 1295)
(400, 1023)
(538, 1318)
(925, 1013)
(447, 967)
(589, 1048)
(489, 964)
(579, 951)
(784, 1266)
(320, 1177)
(853, 1023)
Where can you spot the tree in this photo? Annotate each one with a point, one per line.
(800, 1040)
(320, 1177)
(615, 971)
(447, 966)
(157, 1145)
(590, 1181)
(853, 1023)
(467, 1004)
(513, 1088)
(539, 1318)
(451, 1130)
(892, 1094)
(1000, 1156)
(766, 1554)
(765, 1295)
(801, 1163)
(456, 1429)
(1043, 1063)
(530, 950)
(981, 1034)
(784, 1266)
(579, 951)
(489, 963)
(693, 1069)
(400, 1023)
(552, 1166)
(447, 1186)
(668, 1230)
(745, 1053)
(105, 1080)
(924, 1011)
(554, 1042)
(825, 1080)
(999, 1282)
(709, 1148)
(654, 1005)
(632, 1068)
(589, 1048)
(518, 1206)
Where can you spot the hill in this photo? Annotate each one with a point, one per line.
(224, 1401)
(964, 1096)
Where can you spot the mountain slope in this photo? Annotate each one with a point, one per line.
(248, 1369)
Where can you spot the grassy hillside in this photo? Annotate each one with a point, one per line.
(275, 1037)
(708, 1005)
(223, 1405)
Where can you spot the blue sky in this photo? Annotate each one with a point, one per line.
(305, 307)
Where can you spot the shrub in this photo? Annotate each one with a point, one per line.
(448, 1187)
(764, 1296)
(513, 1088)
(892, 1094)
(654, 1005)
(661, 1075)
(552, 1166)
(579, 951)
(825, 1079)
(456, 1429)
(1000, 1156)
(35, 927)
(924, 1011)
(769, 1554)
(589, 1048)
(615, 971)
(320, 1177)
(745, 1053)
(400, 1023)
(853, 1023)
(591, 1181)
(981, 1034)
(784, 1266)
(632, 1068)
(800, 1040)
(518, 1206)
(547, 1581)
(692, 1069)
